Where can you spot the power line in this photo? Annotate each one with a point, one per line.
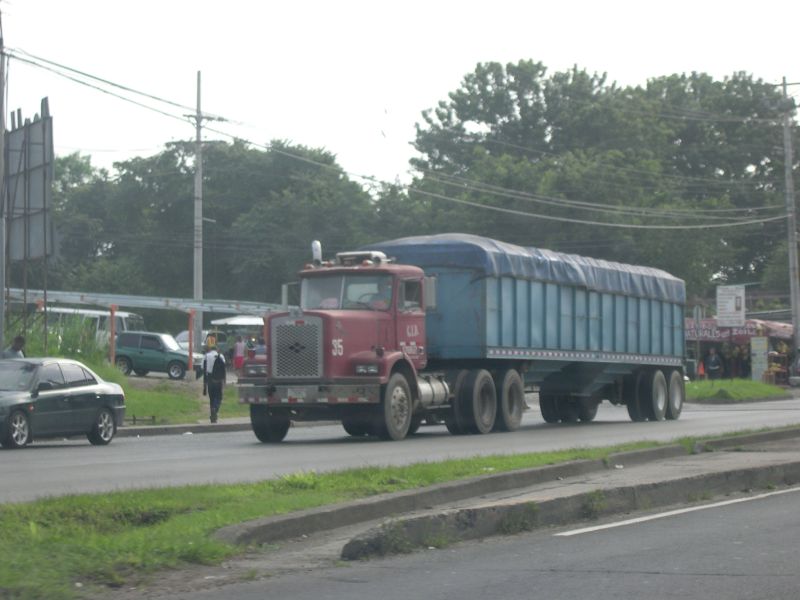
(584, 222)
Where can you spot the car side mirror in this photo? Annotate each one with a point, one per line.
(45, 386)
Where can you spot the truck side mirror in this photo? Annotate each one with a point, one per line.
(429, 292)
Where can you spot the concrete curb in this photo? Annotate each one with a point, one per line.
(325, 518)
(748, 438)
(447, 527)
(271, 529)
(718, 401)
(148, 430)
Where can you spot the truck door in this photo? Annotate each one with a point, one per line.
(411, 322)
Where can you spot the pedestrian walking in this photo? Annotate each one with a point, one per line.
(214, 373)
(16, 349)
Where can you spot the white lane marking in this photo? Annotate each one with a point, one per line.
(671, 513)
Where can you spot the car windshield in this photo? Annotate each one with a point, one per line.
(169, 342)
(347, 292)
(16, 376)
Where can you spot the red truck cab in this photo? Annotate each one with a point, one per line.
(360, 326)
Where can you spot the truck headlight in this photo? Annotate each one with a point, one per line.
(366, 369)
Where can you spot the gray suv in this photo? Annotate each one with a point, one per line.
(141, 352)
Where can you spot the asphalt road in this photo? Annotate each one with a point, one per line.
(74, 466)
(741, 551)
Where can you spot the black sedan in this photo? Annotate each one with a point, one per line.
(56, 397)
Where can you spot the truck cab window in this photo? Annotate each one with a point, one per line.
(411, 295)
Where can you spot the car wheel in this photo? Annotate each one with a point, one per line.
(124, 365)
(176, 370)
(103, 429)
(141, 372)
(17, 433)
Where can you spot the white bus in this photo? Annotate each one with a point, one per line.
(59, 317)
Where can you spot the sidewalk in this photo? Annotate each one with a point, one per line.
(509, 503)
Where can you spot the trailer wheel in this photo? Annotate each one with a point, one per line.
(478, 400)
(269, 429)
(510, 401)
(395, 414)
(569, 410)
(587, 409)
(549, 407)
(676, 394)
(655, 398)
(633, 393)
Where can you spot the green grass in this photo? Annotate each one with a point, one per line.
(169, 402)
(49, 546)
(731, 390)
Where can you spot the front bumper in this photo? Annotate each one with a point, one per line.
(309, 394)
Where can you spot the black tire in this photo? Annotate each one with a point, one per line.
(510, 401)
(104, 428)
(656, 396)
(141, 372)
(124, 365)
(17, 431)
(676, 395)
(176, 370)
(394, 418)
(269, 428)
(587, 409)
(549, 407)
(357, 427)
(569, 410)
(455, 420)
(478, 401)
(416, 422)
(633, 392)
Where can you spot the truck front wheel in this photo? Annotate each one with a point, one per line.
(268, 428)
(395, 414)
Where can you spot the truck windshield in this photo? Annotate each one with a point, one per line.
(347, 292)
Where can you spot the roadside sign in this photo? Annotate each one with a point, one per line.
(759, 348)
(730, 306)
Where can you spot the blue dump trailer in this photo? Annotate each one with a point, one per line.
(456, 328)
(579, 329)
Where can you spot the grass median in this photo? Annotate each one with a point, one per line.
(57, 548)
(731, 390)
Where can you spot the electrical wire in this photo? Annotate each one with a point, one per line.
(482, 188)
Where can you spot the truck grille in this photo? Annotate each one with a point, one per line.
(296, 347)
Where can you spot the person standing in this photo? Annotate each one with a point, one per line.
(238, 353)
(713, 364)
(16, 349)
(214, 373)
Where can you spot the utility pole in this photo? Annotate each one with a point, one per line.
(791, 219)
(2, 190)
(198, 218)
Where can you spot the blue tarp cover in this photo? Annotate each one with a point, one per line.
(498, 259)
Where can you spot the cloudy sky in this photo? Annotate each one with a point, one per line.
(352, 76)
